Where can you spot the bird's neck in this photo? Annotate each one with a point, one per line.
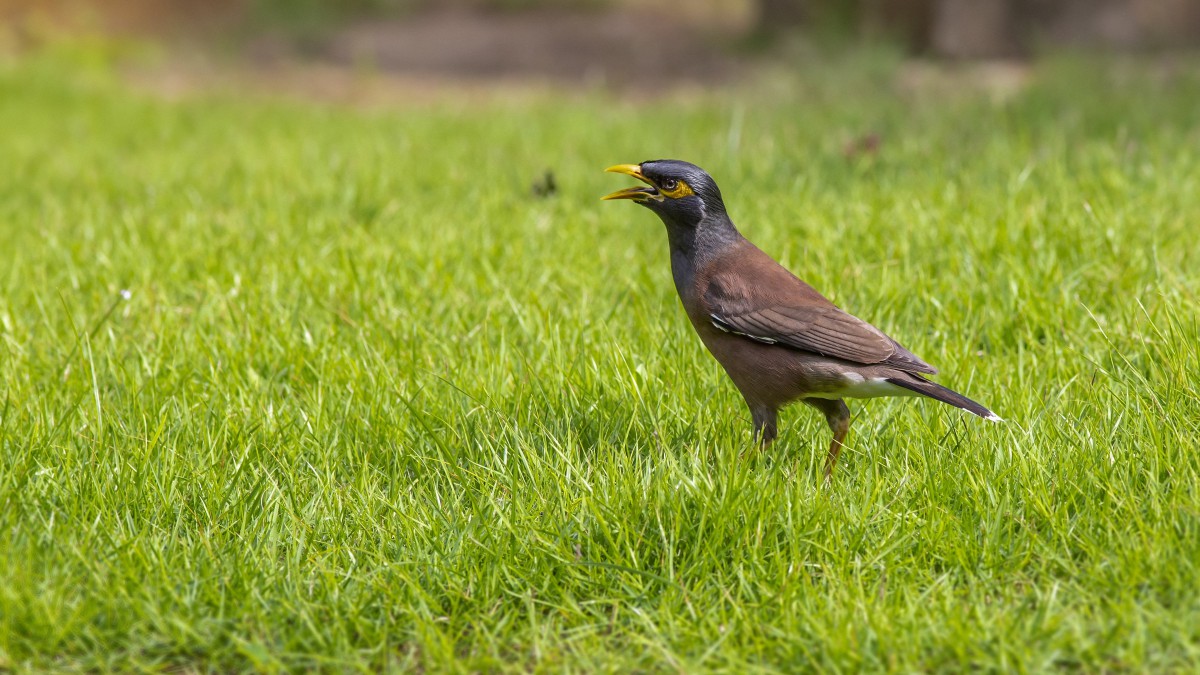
(710, 237)
(693, 247)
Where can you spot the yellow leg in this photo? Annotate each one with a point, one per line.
(837, 415)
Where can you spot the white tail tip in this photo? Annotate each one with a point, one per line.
(993, 417)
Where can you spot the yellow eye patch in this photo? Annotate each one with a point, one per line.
(681, 189)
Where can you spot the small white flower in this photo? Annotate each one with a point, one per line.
(126, 293)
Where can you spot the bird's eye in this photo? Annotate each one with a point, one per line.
(668, 184)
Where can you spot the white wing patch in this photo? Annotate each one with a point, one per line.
(722, 326)
(857, 386)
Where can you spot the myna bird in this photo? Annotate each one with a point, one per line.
(778, 338)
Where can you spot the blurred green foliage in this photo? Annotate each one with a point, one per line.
(313, 15)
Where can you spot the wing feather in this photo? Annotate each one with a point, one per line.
(816, 326)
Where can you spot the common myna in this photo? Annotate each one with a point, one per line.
(777, 337)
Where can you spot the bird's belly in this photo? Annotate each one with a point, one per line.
(765, 374)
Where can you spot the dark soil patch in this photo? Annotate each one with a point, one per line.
(621, 49)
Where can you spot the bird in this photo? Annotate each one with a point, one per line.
(777, 338)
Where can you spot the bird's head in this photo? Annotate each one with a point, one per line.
(679, 192)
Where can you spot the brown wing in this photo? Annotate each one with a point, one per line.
(766, 303)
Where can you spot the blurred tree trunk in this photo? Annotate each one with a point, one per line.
(908, 21)
(776, 15)
(976, 28)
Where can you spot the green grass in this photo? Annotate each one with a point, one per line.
(371, 405)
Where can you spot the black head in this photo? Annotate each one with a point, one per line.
(681, 193)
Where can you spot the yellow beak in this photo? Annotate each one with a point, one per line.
(635, 193)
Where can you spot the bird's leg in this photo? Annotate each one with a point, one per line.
(764, 424)
(837, 415)
(840, 424)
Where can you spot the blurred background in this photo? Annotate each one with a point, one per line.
(331, 48)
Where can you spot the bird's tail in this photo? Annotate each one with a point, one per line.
(936, 391)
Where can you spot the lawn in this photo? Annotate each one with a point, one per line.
(289, 385)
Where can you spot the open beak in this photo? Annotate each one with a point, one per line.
(637, 194)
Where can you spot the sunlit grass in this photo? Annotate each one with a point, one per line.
(371, 404)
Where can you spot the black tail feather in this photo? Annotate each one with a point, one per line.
(936, 391)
